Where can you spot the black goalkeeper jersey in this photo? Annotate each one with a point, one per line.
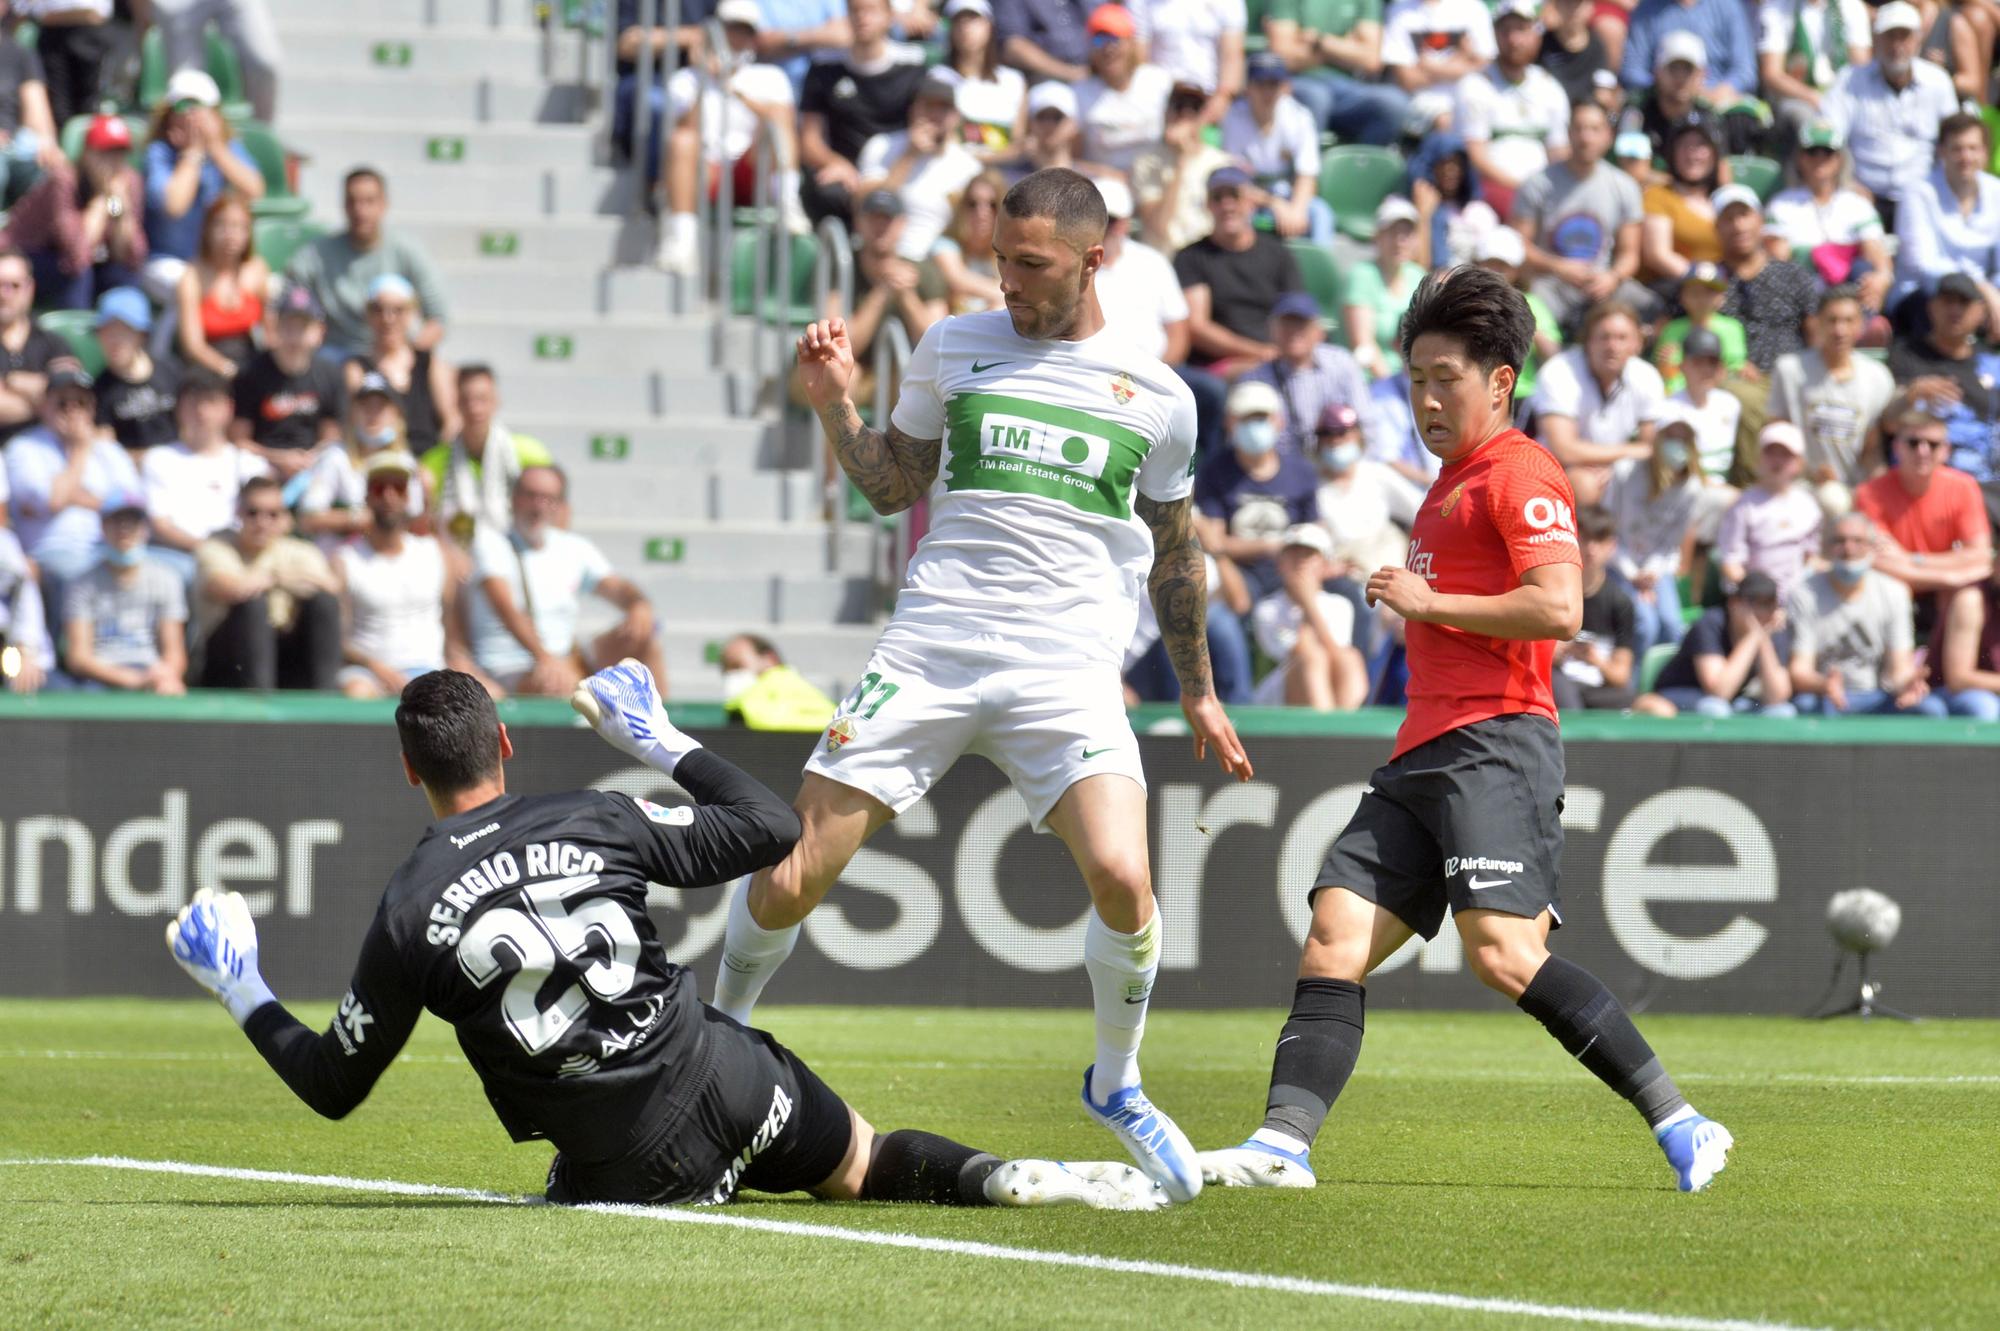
(523, 923)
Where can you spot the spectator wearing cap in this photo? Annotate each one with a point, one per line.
(1232, 277)
(290, 400)
(1573, 52)
(266, 603)
(1802, 47)
(530, 588)
(1580, 219)
(341, 269)
(136, 393)
(397, 593)
(60, 477)
(1375, 292)
(1122, 106)
(1307, 630)
(992, 97)
(964, 253)
(1593, 670)
(1045, 39)
(26, 350)
(1958, 373)
(1502, 250)
(1247, 494)
(925, 165)
(28, 135)
(27, 652)
(1199, 43)
(1513, 114)
(1170, 178)
(247, 28)
(1703, 289)
(1771, 298)
(1774, 527)
(473, 475)
(1735, 660)
(83, 228)
(1365, 505)
(1678, 230)
(192, 484)
(1934, 532)
(330, 505)
(1835, 398)
(1143, 305)
(718, 116)
(1664, 508)
(1949, 222)
(1309, 375)
(192, 156)
(1715, 414)
(1890, 109)
(1823, 221)
(1596, 404)
(1334, 50)
(1633, 152)
(1681, 88)
(1276, 138)
(1721, 27)
(221, 297)
(1435, 43)
(424, 381)
(1054, 136)
(848, 99)
(1853, 649)
(125, 620)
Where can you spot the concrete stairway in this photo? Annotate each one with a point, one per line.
(494, 163)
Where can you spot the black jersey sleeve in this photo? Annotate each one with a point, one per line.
(334, 1070)
(739, 825)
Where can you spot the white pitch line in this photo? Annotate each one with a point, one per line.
(1251, 1280)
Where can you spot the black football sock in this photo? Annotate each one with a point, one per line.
(912, 1166)
(1592, 1025)
(1315, 1056)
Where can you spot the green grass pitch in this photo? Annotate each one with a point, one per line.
(1469, 1156)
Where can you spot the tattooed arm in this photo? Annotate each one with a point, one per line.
(892, 469)
(1179, 589)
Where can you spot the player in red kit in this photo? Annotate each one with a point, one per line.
(1467, 811)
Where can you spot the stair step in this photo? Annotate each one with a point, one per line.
(446, 146)
(680, 494)
(729, 547)
(389, 98)
(729, 443)
(489, 191)
(419, 53)
(369, 15)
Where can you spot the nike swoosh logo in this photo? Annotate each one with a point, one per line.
(1476, 885)
(1088, 754)
(977, 368)
(1136, 1001)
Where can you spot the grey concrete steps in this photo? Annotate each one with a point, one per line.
(790, 599)
(543, 291)
(736, 443)
(446, 146)
(604, 344)
(491, 191)
(369, 14)
(533, 240)
(391, 99)
(537, 390)
(728, 547)
(681, 493)
(417, 52)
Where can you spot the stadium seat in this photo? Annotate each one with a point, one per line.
(1655, 661)
(1761, 174)
(279, 238)
(1254, 39)
(743, 278)
(1354, 178)
(269, 155)
(1321, 273)
(79, 329)
(223, 67)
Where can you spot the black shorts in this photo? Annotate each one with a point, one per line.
(762, 1120)
(1471, 819)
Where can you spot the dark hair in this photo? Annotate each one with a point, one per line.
(562, 476)
(1700, 126)
(450, 732)
(1595, 523)
(1833, 295)
(1068, 197)
(362, 173)
(201, 380)
(1960, 121)
(255, 486)
(1477, 308)
(762, 645)
(475, 370)
(989, 59)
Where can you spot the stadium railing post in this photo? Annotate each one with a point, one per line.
(833, 270)
(644, 69)
(720, 250)
(760, 258)
(781, 327)
(892, 353)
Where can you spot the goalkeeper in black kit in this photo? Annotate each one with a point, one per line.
(521, 920)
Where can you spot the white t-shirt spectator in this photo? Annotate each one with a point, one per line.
(1651, 527)
(1276, 156)
(1364, 514)
(1141, 296)
(1437, 26)
(1117, 125)
(1853, 637)
(1521, 122)
(560, 573)
(398, 602)
(728, 126)
(1566, 387)
(989, 107)
(1184, 37)
(197, 491)
(1714, 422)
(1805, 223)
(34, 460)
(1276, 621)
(1776, 534)
(1778, 22)
(926, 193)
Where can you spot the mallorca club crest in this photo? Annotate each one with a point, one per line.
(1123, 388)
(1451, 500)
(839, 733)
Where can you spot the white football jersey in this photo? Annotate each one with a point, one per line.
(1046, 443)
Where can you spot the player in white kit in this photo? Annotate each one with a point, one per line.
(1058, 464)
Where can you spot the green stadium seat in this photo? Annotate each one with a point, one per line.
(1655, 661)
(223, 67)
(279, 238)
(79, 329)
(1254, 39)
(1321, 273)
(269, 155)
(1354, 178)
(1761, 174)
(743, 279)
(290, 208)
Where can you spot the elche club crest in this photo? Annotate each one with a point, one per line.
(1123, 388)
(839, 733)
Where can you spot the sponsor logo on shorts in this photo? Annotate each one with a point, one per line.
(1481, 884)
(666, 817)
(839, 733)
(774, 1123)
(1453, 866)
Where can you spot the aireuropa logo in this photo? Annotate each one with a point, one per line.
(1025, 440)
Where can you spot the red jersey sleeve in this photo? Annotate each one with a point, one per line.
(1534, 510)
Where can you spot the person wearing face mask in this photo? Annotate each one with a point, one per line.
(125, 621)
(1657, 507)
(1365, 504)
(760, 691)
(331, 499)
(1853, 648)
(1248, 494)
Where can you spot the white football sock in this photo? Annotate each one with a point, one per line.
(751, 955)
(1121, 969)
(1283, 1141)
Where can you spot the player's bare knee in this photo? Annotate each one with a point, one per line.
(1505, 967)
(1334, 958)
(1121, 889)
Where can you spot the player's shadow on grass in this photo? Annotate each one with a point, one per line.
(339, 1203)
(1357, 1182)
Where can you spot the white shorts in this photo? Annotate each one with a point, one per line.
(919, 706)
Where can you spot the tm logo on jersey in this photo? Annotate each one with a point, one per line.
(1016, 438)
(1000, 442)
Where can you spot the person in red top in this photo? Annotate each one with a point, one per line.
(1932, 516)
(1467, 811)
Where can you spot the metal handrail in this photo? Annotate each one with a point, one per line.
(889, 553)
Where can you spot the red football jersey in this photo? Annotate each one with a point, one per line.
(1487, 519)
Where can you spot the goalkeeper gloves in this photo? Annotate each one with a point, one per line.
(623, 705)
(215, 940)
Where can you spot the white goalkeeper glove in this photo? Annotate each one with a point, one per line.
(623, 705)
(215, 940)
